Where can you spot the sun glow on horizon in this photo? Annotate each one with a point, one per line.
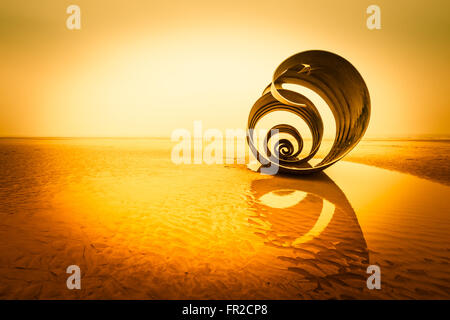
(140, 70)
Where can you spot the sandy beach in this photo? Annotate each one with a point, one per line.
(429, 159)
(141, 227)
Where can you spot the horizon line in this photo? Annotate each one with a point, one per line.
(423, 137)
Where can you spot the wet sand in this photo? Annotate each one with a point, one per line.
(141, 227)
(429, 159)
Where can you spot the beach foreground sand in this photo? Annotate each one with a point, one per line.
(141, 227)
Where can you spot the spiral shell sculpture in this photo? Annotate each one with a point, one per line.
(338, 83)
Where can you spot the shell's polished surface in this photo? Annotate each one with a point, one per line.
(338, 83)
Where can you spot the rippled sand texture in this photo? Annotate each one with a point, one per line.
(141, 227)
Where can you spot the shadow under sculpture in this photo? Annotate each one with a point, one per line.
(314, 224)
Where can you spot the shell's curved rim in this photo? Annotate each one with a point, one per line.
(337, 82)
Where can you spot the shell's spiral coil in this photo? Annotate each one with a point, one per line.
(338, 83)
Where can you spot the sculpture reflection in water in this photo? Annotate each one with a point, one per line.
(314, 224)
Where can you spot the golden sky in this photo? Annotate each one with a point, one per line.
(145, 68)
